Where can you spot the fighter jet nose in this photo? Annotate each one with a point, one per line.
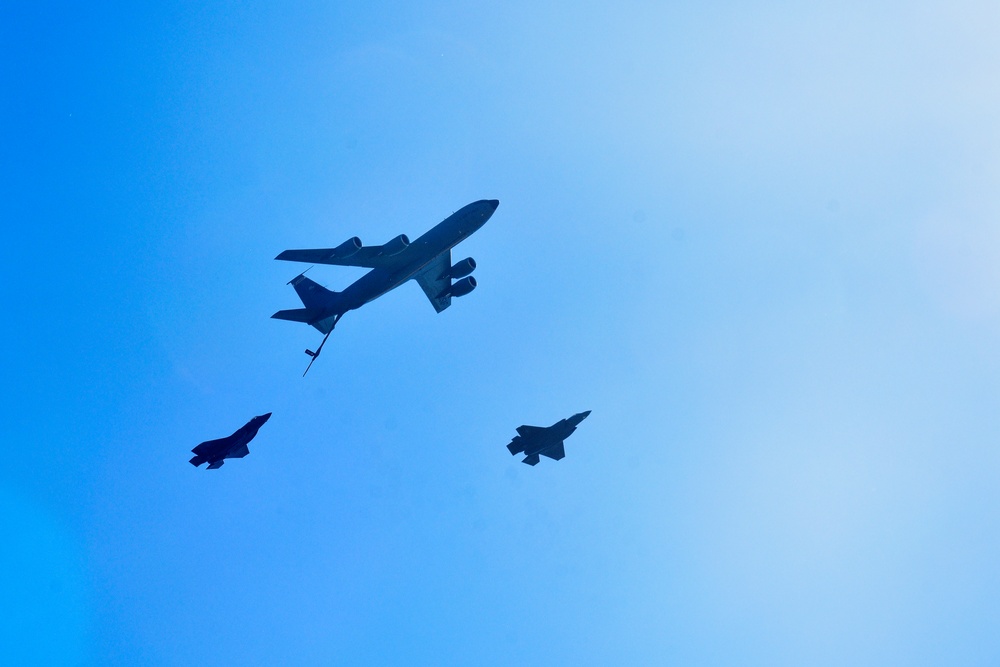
(493, 202)
(266, 417)
(584, 415)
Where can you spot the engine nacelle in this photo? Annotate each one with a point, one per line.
(461, 288)
(346, 249)
(460, 269)
(395, 246)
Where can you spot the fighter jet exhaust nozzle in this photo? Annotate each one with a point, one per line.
(461, 288)
(395, 246)
(460, 269)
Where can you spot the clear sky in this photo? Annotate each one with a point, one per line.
(760, 240)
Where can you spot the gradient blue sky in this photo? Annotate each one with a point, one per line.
(760, 240)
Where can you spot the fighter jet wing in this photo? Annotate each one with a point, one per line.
(208, 446)
(239, 452)
(555, 452)
(528, 431)
(432, 283)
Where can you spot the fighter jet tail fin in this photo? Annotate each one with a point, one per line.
(531, 460)
(218, 464)
(196, 461)
(515, 447)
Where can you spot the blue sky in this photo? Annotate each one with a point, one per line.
(759, 240)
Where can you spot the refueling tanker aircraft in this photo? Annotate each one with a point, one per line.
(427, 260)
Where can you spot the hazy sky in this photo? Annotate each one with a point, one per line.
(761, 241)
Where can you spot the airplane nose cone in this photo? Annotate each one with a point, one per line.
(266, 417)
(493, 202)
(584, 415)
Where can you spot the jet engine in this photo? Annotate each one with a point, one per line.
(461, 269)
(395, 246)
(346, 249)
(461, 288)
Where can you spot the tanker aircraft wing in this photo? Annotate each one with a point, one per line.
(352, 253)
(434, 280)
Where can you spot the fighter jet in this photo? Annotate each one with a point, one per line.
(427, 260)
(544, 440)
(214, 452)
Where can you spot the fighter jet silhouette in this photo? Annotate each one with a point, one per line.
(214, 452)
(544, 440)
